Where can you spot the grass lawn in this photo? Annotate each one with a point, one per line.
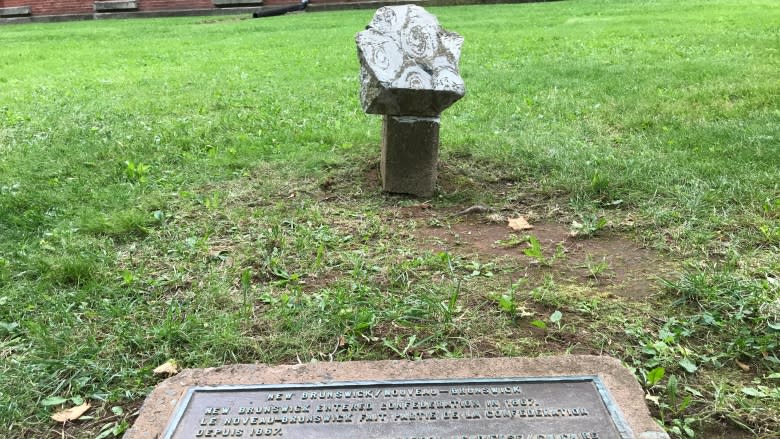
(205, 190)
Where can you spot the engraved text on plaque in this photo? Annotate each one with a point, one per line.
(504, 408)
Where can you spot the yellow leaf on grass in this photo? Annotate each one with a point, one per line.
(71, 413)
(743, 366)
(519, 224)
(167, 368)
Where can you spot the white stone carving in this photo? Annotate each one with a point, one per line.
(409, 63)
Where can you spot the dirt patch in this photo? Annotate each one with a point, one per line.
(610, 262)
(316, 282)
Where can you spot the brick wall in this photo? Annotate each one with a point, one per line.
(61, 7)
(280, 2)
(53, 7)
(159, 5)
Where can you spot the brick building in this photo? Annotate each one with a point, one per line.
(10, 9)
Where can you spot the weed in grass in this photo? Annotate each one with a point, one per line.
(512, 241)
(770, 233)
(475, 269)
(589, 225)
(673, 407)
(115, 428)
(535, 251)
(136, 172)
(402, 347)
(510, 302)
(549, 294)
(120, 226)
(596, 268)
(723, 302)
(599, 184)
(555, 319)
(771, 208)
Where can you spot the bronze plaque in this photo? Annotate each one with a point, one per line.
(503, 408)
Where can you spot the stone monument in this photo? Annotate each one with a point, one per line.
(409, 74)
(564, 397)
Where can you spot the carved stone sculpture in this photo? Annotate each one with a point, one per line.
(409, 74)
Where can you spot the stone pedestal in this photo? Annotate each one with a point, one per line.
(410, 152)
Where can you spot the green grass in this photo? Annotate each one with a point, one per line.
(199, 189)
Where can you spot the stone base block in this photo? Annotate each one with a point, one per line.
(115, 6)
(17, 11)
(410, 154)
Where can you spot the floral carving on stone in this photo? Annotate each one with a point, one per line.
(409, 63)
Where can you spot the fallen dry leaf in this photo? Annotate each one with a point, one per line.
(72, 413)
(743, 366)
(167, 368)
(519, 224)
(653, 398)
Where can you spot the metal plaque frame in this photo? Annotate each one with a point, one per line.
(606, 398)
